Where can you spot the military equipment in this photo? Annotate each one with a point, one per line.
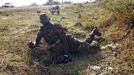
(55, 9)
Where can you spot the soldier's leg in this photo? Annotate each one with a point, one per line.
(50, 58)
(73, 45)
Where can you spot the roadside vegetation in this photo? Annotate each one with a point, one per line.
(19, 26)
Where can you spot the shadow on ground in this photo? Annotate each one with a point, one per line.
(81, 60)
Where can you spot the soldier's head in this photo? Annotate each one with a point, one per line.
(44, 19)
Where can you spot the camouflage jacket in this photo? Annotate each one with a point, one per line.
(51, 33)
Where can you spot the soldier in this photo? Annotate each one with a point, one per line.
(55, 37)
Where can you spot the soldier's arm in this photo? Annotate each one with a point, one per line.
(39, 36)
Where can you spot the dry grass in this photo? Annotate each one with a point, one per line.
(18, 27)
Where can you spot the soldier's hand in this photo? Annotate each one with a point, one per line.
(31, 45)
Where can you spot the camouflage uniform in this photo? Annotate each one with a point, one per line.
(54, 36)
